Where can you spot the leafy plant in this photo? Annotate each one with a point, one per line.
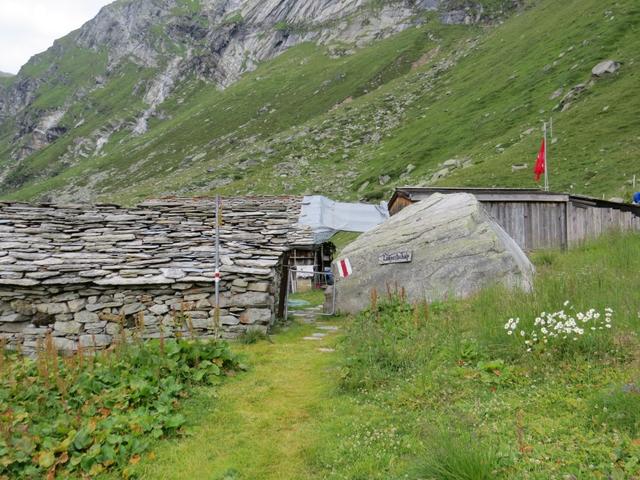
(84, 415)
(282, 26)
(233, 19)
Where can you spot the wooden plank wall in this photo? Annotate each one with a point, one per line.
(399, 204)
(560, 222)
(533, 225)
(586, 222)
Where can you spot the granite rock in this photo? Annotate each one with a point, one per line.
(455, 248)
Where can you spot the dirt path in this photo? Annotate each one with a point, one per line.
(262, 422)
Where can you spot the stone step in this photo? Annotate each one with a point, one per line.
(329, 328)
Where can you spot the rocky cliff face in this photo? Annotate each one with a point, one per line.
(225, 38)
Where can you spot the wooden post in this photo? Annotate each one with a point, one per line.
(285, 278)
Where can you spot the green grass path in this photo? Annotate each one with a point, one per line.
(260, 424)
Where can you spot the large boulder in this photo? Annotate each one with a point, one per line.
(446, 245)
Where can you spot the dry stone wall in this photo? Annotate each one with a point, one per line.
(89, 274)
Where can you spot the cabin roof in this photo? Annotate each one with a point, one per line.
(510, 195)
(160, 241)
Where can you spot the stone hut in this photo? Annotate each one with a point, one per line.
(89, 274)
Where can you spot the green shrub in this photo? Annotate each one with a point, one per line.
(282, 26)
(84, 415)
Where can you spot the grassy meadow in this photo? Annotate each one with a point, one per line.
(456, 390)
(438, 391)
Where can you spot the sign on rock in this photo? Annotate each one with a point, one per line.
(396, 257)
(344, 267)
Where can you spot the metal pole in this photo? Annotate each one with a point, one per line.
(217, 272)
(550, 141)
(546, 163)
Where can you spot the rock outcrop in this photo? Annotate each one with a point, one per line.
(444, 246)
(605, 67)
(217, 42)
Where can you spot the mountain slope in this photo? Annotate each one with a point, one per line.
(336, 115)
(109, 77)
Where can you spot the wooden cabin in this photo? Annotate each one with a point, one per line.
(537, 219)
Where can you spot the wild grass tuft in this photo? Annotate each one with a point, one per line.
(618, 408)
(457, 455)
(380, 346)
(393, 338)
(253, 336)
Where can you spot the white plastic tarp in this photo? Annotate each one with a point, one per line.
(305, 271)
(326, 217)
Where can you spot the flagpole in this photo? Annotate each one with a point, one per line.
(550, 137)
(546, 163)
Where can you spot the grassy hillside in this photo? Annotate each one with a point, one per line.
(335, 120)
(436, 392)
(469, 401)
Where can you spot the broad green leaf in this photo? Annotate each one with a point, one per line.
(46, 459)
(82, 440)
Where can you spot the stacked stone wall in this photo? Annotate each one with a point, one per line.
(88, 274)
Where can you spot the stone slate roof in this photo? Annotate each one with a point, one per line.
(158, 242)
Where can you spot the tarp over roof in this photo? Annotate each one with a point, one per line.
(327, 217)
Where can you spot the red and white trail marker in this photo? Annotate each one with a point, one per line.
(344, 267)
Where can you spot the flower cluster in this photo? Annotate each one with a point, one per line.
(566, 324)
